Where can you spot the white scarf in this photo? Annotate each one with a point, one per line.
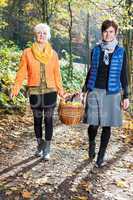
(108, 47)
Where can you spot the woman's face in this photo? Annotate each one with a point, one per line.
(109, 34)
(41, 36)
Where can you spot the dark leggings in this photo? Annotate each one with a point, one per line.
(43, 105)
(48, 121)
(105, 136)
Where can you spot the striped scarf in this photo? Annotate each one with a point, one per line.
(108, 47)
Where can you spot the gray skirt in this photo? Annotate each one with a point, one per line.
(103, 109)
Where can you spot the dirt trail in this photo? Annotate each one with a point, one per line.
(69, 174)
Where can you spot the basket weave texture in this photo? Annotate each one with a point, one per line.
(70, 114)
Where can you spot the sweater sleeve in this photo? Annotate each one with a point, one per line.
(124, 77)
(21, 74)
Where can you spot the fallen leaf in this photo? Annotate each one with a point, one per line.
(14, 188)
(87, 186)
(26, 194)
(16, 198)
(130, 166)
(27, 174)
(10, 146)
(73, 189)
(80, 198)
(121, 184)
(41, 181)
(85, 156)
(8, 193)
(129, 139)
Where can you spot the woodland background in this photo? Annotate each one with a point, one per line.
(75, 27)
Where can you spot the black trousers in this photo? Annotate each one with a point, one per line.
(105, 135)
(43, 107)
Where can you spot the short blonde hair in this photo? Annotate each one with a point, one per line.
(42, 27)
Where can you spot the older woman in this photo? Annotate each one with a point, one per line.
(41, 66)
(105, 82)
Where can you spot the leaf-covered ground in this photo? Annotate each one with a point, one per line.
(69, 174)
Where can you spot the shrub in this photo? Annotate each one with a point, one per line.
(10, 56)
(75, 83)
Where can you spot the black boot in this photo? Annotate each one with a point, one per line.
(106, 132)
(100, 157)
(92, 150)
(40, 147)
(92, 132)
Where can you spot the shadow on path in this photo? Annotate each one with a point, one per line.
(21, 168)
(16, 165)
(64, 189)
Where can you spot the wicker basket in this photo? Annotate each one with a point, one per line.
(70, 114)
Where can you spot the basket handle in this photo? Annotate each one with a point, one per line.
(84, 96)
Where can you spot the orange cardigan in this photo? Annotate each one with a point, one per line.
(29, 68)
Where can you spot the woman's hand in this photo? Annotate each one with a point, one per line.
(12, 95)
(125, 104)
(64, 95)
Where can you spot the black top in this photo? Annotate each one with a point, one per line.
(103, 73)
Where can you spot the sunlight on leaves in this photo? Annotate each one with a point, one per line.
(121, 184)
(41, 181)
(86, 185)
(80, 198)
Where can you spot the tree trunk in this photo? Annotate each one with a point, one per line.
(128, 43)
(70, 41)
(16, 22)
(88, 41)
(45, 11)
